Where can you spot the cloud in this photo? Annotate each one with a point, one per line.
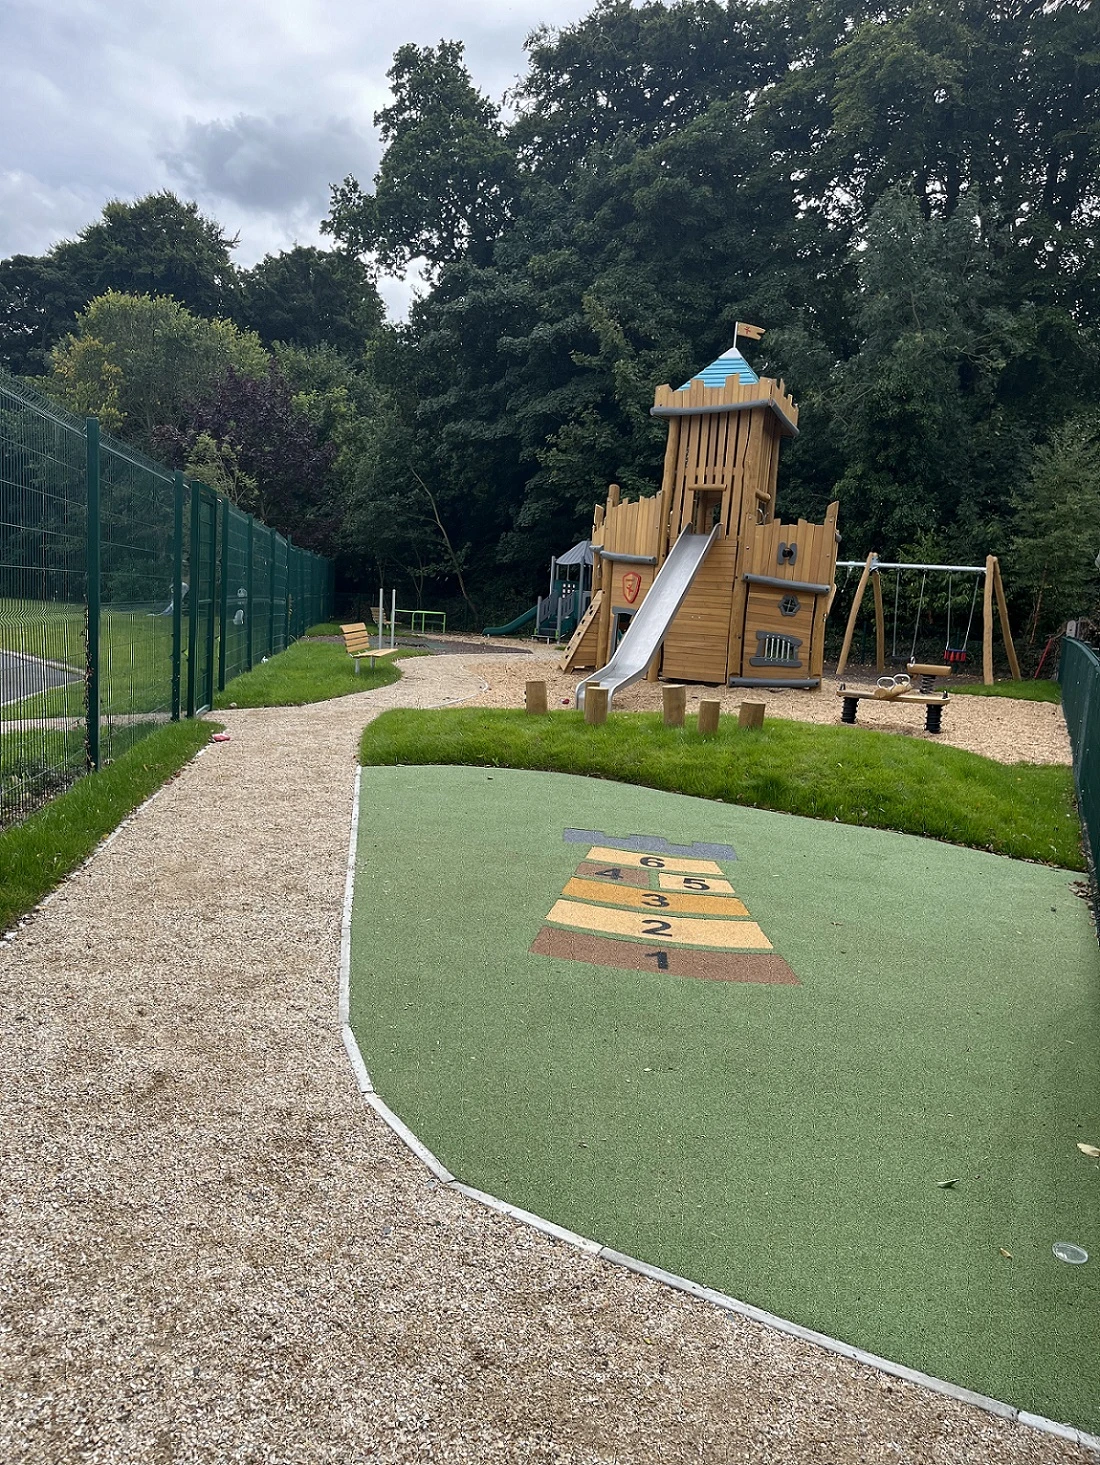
(104, 99)
(33, 210)
(277, 165)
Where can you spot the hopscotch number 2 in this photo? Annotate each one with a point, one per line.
(652, 927)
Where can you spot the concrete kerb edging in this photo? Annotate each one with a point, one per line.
(629, 1263)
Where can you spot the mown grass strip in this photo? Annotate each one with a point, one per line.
(37, 854)
(308, 671)
(852, 775)
(1022, 691)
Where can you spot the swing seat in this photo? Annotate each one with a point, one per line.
(954, 655)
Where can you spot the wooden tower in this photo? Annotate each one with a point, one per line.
(755, 610)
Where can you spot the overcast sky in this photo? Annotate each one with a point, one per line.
(251, 107)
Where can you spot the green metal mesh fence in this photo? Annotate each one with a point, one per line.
(127, 596)
(280, 593)
(1079, 674)
(43, 534)
(236, 607)
(259, 627)
(137, 553)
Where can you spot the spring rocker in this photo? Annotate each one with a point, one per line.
(900, 688)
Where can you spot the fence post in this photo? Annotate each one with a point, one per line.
(92, 596)
(177, 594)
(288, 608)
(223, 608)
(271, 594)
(193, 593)
(212, 621)
(248, 598)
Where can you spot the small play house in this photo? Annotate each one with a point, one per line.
(743, 597)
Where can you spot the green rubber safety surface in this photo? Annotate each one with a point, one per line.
(783, 1141)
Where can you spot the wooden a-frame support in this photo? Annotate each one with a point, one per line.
(993, 586)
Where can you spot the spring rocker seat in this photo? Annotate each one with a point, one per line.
(901, 689)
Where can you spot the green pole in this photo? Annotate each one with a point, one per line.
(289, 608)
(224, 607)
(193, 597)
(211, 623)
(177, 595)
(271, 595)
(248, 601)
(92, 597)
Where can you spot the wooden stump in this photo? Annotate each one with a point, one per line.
(708, 717)
(751, 714)
(535, 699)
(595, 704)
(674, 702)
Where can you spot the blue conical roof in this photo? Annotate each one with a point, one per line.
(730, 363)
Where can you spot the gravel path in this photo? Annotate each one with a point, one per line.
(213, 1251)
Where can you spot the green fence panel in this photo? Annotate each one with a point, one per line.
(137, 572)
(43, 540)
(1079, 674)
(202, 599)
(280, 594)
(127, 596)
(235, 594)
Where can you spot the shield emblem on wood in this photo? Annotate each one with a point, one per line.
(632, 583)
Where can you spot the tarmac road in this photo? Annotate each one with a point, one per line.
(22, 676)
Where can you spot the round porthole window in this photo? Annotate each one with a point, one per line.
(789, 605)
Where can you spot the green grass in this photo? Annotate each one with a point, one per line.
(322, 628)
(851, 775)
(1023, 691)
(38, 853)
(35, 764)
(782, 1143)
(135, 650)
(308, 671)
(53, 630)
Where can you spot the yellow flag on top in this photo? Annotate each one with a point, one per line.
(752, 332)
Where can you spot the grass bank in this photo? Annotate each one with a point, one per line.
(308, 671)
(1028, 690)
(851, 775)
(37, 854)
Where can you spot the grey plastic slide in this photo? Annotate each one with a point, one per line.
(649, 626)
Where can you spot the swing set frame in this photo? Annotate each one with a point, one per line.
(992, 588)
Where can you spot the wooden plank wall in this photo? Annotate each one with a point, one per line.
(815, 564)
(695, 647)
(631, 527)
(627, 528)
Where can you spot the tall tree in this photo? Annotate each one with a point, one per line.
(310, 298)
(158, 245)
(265, 449)
(447, 183)
(136, 360)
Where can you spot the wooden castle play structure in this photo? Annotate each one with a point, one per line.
(701, 582)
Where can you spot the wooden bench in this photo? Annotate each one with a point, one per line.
(932, 702)
(357, 645)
